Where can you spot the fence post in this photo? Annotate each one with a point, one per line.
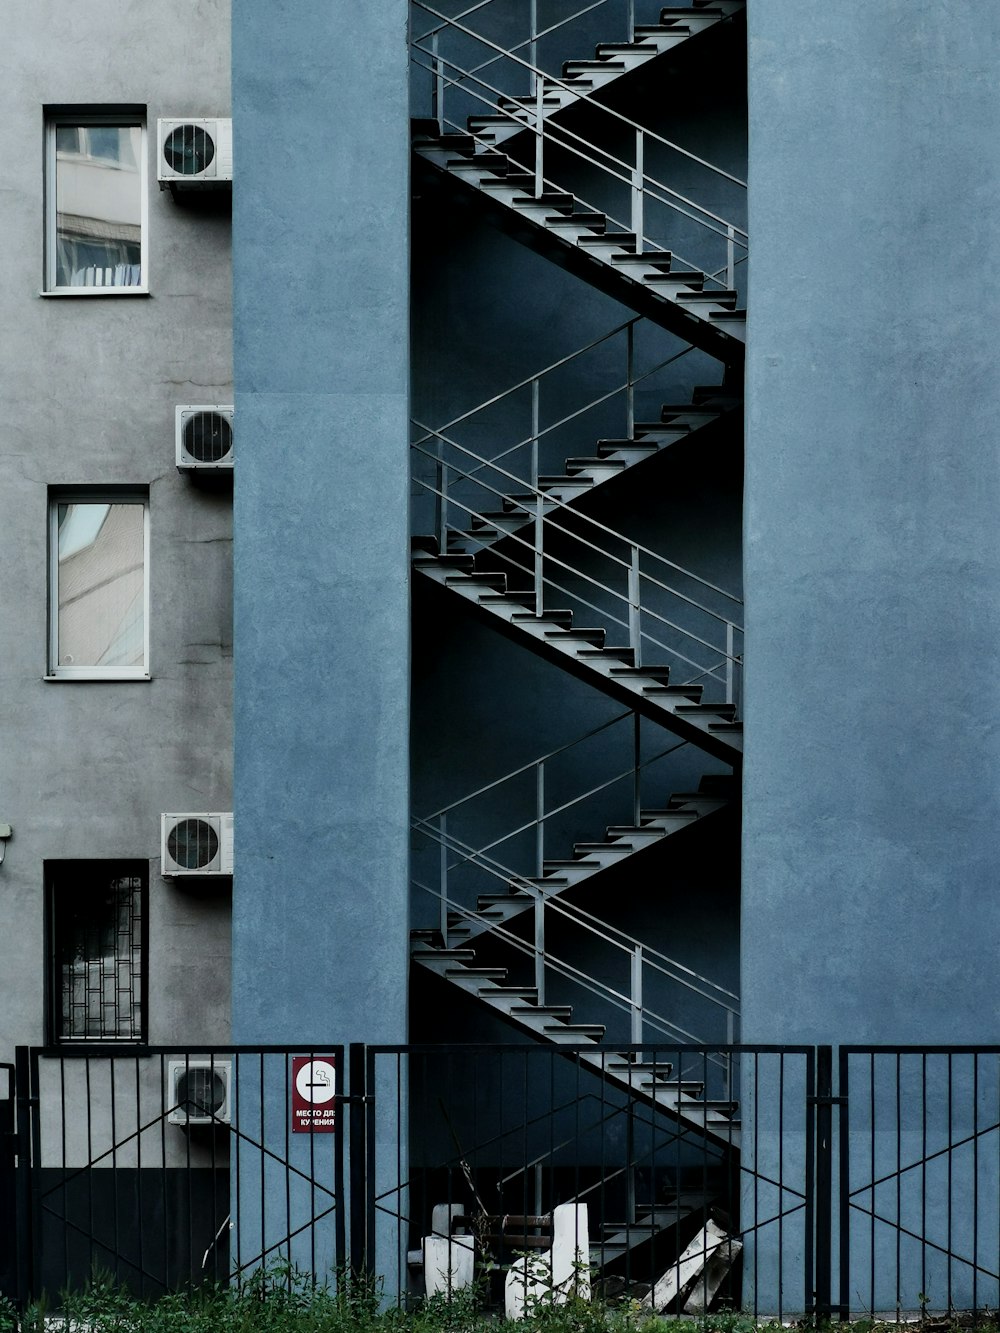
(358, 1088)
(844, 1202)
(824, 1181)
(24, 1231)
(730, 663)
(638, 198)
(731, 257)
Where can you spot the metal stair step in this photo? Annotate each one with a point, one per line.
(624, 240)
(595, 1030)
(561, 1011)
(580, 864)
(677, 692)
(574, 465)
(630, 1066)
(559, 201)
(498, 581)
(605, 447)
(562, 618)
(573, 67)
(689, 281)
(478, 973)
(445, 955)
(509, 992)
(488, 900)
(624, 47)
(723, 298)
(651, 673)
(670, 410)
(592, 221)
(587, 634)
(727, 711)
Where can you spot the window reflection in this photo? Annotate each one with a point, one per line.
(98, 205)
(101, 585)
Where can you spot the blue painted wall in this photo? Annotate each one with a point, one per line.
(321, 604)
(872, 550)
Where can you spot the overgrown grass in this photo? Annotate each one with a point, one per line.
(280, 1301)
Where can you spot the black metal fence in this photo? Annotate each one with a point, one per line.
(173, 1167)
(775, 1180)
(919, 1186)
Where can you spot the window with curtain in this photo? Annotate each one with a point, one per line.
(95, 203)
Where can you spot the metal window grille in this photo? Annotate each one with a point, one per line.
(98, 914)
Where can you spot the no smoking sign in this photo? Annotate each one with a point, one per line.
(314, 1089)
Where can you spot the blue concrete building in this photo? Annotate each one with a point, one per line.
(614, 567)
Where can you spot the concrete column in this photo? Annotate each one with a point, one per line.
(321, 594)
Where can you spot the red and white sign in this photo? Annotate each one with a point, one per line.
(314, 1089)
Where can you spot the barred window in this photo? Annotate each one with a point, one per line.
(97, 916)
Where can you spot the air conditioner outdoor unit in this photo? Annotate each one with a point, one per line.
(197, 845)
(199, 1091)
(204, 437)
(194, 154)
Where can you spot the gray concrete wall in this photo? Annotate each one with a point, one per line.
(872, 563)
(321, 607)
(89, 389)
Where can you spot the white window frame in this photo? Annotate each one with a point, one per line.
(84, 117)
(61, 495)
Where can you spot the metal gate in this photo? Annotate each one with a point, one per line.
(919, 1179)
(171, 1167)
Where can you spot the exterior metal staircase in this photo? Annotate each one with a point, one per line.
(621, 842)
(491, 555)
(582, 650)
(709, 406)
(682, 1100)
(582, 78)
(586, 242)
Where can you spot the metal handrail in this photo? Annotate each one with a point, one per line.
(538, 375)
(525, 768)
(567, 87)
(558, 809)
(562, 504)
(579, 412)
(529, 41)
(537, 378)
(731, 657)
(731, 228)
(553, 130)
(590, 983)
(625, 942)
